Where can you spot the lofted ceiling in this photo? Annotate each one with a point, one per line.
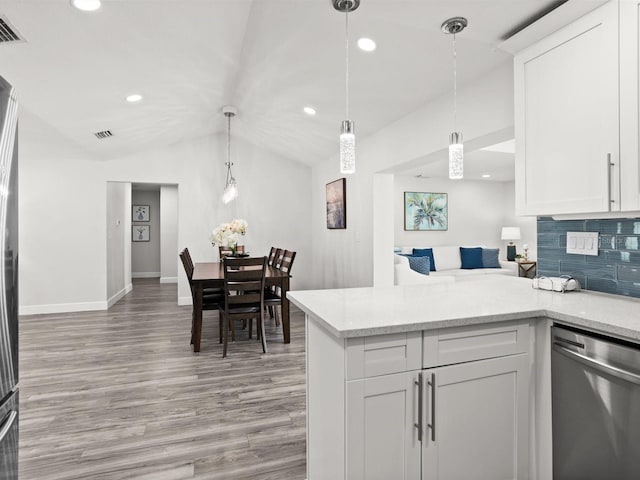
(270, 58)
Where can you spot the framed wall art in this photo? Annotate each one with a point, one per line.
(425, 211)
(140, 233)
(140, 213)
(337, 204)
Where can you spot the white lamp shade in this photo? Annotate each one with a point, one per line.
(347, 153)
(510, 233)
(456, 161)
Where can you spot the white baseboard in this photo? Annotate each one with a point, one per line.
(168, 279)
(114, 298)
(185, 301)
(62, 308)
(145, 274)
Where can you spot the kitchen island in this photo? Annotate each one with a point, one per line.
(433, 381)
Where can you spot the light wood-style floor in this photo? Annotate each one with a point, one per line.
(120, 395)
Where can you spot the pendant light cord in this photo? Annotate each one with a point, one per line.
(229, 175)
(346, 27)
(455, 87)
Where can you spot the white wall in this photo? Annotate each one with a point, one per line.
(528, 225)
(345, 258)
(477, 212)
(168, 233)
(145, 256)
(118, 239)
(63, 194)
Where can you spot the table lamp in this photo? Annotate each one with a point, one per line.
(511, 233)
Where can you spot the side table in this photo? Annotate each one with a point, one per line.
(527, 268)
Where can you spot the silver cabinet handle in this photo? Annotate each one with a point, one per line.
(418, 425)
(432, 425)
(610, 165)
(8, 424)
(598, 365)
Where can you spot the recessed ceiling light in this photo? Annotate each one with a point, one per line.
(486, 175)
(366, 44)
(134, 98)
(309, 110)
(86, 5)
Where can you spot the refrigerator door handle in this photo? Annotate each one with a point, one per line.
(6, 428)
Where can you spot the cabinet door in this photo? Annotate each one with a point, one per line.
(382, 441)
(630, 105)
(566, 119)
(478, 420)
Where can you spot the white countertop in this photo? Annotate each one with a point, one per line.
(359, 312)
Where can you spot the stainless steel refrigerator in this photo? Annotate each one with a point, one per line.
(8, 282)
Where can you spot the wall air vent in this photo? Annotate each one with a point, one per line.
(103, 134)
(8, 32)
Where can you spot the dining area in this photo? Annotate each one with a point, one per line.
(242, 288)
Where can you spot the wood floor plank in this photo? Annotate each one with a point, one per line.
(119, 394)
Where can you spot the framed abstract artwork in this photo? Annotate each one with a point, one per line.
(337, 204)
(140, 213)
(425, 211)
(140, 233)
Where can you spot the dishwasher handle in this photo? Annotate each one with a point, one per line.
(597, 364)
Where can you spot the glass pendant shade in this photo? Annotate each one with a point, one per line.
(230, 191)
(347, 148)
(456, 156)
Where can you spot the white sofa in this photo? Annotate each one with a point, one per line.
(448, 267)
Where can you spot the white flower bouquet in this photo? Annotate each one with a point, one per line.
(227, 234)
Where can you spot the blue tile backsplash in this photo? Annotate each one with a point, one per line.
(616, 269)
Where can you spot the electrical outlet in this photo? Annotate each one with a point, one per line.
(582, 243)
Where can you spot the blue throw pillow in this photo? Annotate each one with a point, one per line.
(490, 258)
(471, 257)
(420, 264)
(425, 252)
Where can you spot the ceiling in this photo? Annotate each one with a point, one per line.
(270, 58)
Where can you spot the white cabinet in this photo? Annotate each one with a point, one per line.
(440, 404)
(382, 440)
(478, 417)
(629, 105)
(567, 119)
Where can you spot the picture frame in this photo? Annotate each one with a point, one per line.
(337, 204)
(140, 213)
(426, 211)
(140, 233)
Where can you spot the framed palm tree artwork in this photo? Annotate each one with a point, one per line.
(425, 211)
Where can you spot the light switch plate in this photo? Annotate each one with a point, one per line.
(582, 243)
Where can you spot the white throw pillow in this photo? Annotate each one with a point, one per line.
(447, 258)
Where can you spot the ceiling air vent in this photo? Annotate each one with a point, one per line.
(104, 134)
(8, 32)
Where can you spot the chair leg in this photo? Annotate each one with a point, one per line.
(262, 335)
(220, 321)
(250, 327)
(193, 321)
(232, 325)
(226, 336)
(275, 309)
(270, 311)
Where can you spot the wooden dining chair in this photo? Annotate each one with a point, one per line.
(244, 281)
(273, 295)
(212, 298)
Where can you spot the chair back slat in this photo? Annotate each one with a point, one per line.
(273, 254)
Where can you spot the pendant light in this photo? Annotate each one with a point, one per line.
(231, 187)
(347, 130)
(453, 26)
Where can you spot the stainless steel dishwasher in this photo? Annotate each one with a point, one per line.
(596, 406)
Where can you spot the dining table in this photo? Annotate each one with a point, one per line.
(211, 275)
